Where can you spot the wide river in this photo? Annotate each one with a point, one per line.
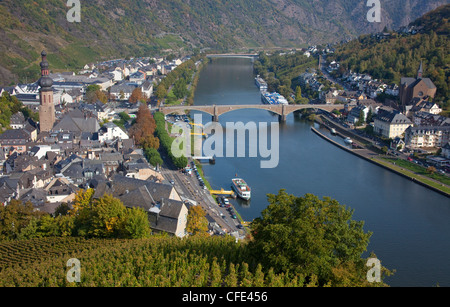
(410, 224)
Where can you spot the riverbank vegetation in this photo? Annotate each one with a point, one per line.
(435, 181)
(143, 132)
(166, 141)
(173, 88)
(281, 71)
(297, 241)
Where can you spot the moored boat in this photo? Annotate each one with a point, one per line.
(241, 188)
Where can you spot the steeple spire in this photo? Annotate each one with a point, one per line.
(45, 82)
(420, 71)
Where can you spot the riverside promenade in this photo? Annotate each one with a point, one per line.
(373, 157)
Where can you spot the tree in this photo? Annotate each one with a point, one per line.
(94, 93)
(360, 121)
(161, 91)
(144, 127)
(180, 89)
(136, 224)
(431, 170)
(137, 95)
(14, 217)
(309, 236)
(108, 216)
(197, 224)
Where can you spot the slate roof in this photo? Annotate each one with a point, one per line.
(122, 185)
(74, 122)
(167, 220)
(392, 117)
(412, 82)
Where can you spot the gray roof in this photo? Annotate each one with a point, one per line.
(73, 123)
(412, 82)
(122, 185)
(392, 117)
(168, 216)
(14, 134)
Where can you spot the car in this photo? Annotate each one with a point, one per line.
(240, 226)
(234, 217)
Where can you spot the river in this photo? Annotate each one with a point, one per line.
(410, 224)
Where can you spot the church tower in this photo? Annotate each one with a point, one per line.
(420, 71)
(47, 107)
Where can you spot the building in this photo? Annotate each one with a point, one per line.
(391, 123)
(419, 87)
(355, 113)
(110, 132)
(446, 151)
(427, 136)
(15, 140)
(47, 107)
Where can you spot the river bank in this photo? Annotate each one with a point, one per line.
(374, 158)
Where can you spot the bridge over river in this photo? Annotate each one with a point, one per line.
(281, 110)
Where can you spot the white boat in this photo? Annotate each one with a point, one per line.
(241, 188)
(348, 140)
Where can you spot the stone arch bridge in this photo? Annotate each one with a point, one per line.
(216, 110)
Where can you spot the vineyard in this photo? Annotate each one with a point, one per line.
(154, 262)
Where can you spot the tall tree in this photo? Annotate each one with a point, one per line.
(309, 236)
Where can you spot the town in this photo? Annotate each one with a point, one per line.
(406, 121)
(82, 142)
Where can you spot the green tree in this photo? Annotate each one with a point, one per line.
(310, 237)
(161, 91)
(108, 215)
(14, 217)
(136, 224)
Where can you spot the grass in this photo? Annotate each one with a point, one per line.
(411, 174)
(419, 170)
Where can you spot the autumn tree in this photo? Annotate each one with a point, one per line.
(142, 131)
(197, 224)
(94, 93)
(137, 95)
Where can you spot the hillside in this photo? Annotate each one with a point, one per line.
(400, 54)
(135, 28)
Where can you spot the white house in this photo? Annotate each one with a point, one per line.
(391, 123)
(147, 88)
(111, 131)
(117, 74)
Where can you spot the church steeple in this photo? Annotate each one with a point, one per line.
(420, 71)
(47, 107)
(45, 82)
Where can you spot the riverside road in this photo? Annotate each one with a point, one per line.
(189, 189)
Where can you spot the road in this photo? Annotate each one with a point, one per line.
(188, 187)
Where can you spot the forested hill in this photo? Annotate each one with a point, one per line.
(117, 28)
(400, 54)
